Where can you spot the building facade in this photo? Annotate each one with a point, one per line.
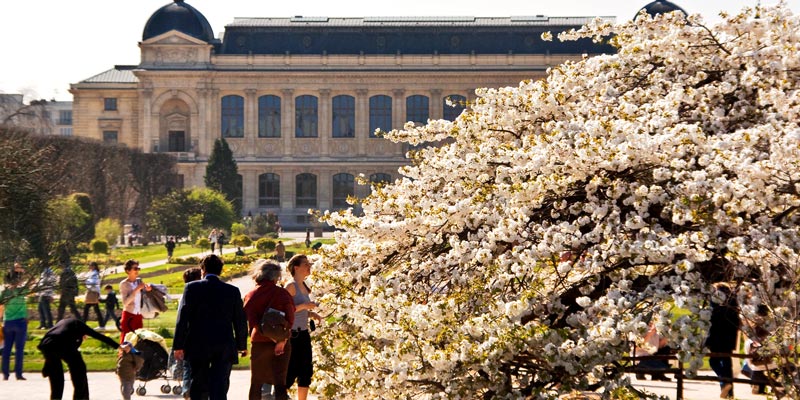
(299, 99)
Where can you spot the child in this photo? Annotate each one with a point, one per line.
(128, 363)
(112, 304)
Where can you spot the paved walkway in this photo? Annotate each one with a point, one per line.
(105, 386)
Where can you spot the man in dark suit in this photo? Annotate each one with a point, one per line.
(211, 327)
(61, 342)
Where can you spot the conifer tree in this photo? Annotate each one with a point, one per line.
(222, 174)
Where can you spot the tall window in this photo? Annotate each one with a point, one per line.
(305, 116)
(380, 114)
(306, 190)
(269, 116)
(232, 116)
(110, 137)
(65, 117)
(269, 190)
(343, 186)
(177, 141)
(344, 116)
(451, 112)
(417, 109)
(110, 103)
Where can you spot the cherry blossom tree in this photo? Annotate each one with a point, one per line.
(555, 219)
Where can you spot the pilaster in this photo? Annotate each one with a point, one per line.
(250, 121)
(362, 121)
(324, 121)
(287, 123)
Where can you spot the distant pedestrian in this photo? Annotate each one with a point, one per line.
(15, 321)
(220, 240)
(280, 252)
(723, 336)
(170, 245)
(112, 305)
(129, 362)
(47, 284)
(212, 239)
(308, 237)
(68, 283)
(92, 299)
(61, 343)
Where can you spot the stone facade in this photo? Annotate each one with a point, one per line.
(174, 101)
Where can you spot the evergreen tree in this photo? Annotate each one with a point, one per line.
(222, 174)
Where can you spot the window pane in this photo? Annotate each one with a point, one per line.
(417, 109)
(269, 116)
(233, 116)
(305, 116)
(110, 137)
(306, 190)
(343, 186)
(344, 116)
(110, 103)
(451, 112)
(269, 190)
(177, 141)
(380, 114)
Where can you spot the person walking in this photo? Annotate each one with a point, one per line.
(269, 361)
(130, 290)
(212, 239)
(15, 321)
(301, 367)
(190, 275)
(280, 251)
(61, 343)
(220, 240)
(723, 337)
(47, 284)
(68, 283)
(170, 245)
(92, 298)
(210, 328)
(129, 361)
(112, 304)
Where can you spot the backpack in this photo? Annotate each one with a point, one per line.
(274, 325)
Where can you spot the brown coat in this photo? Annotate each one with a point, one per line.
(127, 366)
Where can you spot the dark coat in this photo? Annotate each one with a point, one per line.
(68, 282)
(68, 335)
(724, 328)
(211, 321)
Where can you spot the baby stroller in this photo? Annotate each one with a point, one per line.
(157, 360)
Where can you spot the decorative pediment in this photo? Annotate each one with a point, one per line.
(174, 48)
(172, 37)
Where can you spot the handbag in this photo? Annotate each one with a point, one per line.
(92, 297)
(274, 325)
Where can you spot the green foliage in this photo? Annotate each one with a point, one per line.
(216, 210)
(222, 174)
(203, 243)
(168, 214)
(108, 229)
(242, 240)
(86, 231)
(238, 229)
(65, 216)
(99, 246)
(263, 224)
(196, 225)
(164, 332)
(187, 212)
(264, 245)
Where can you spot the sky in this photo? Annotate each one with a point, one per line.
(49, 44)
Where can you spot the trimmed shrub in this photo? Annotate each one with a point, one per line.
(242, 241)
(264, 245)
(99, 246)
(202, 243)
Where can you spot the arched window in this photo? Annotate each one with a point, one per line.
(451, 112)
(417, 109)
(269, 190)
(306, 190)
(233, 116)
(343, 186)
(269, 116)
(305, 116)
(380, 114)
(344, 116)
(380, 178)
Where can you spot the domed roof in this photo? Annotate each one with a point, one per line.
(662, 7)
(181, 17)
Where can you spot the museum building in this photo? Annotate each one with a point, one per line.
(299, 99)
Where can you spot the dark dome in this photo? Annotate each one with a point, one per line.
(662, 7)
(180, 17)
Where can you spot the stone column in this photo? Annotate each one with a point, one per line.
(250, 121)
(362, 121)
(435, 111)
(324, 192)
(324, 121)
(249, 191)
(399, 109)
(287, 121)
(146, 133)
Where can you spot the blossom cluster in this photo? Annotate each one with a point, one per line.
(552, 221)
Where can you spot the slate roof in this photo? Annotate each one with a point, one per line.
(431, 21)
(118, 74)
